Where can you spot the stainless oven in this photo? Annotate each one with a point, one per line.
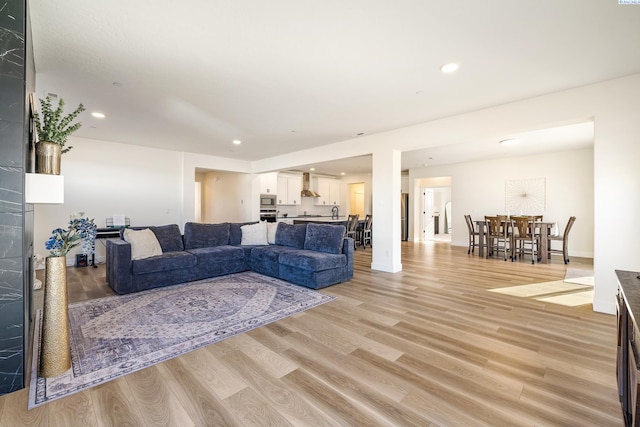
(267, 215)
(268, 207)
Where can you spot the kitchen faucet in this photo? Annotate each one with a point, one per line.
(334, 213)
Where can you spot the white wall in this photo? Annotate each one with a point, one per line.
(197, 162)
(478, 188)
(106, 178)
(227, 197)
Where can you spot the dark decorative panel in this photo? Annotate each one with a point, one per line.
(16, 218)
(12, 38)
(12, 325)
(12, 154)
(12, 101)
(10, 237)
(11, 189)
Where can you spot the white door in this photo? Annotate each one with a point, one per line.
(427, 214)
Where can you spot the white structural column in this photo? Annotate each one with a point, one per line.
(386, 210)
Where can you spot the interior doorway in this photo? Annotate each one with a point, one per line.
(356, 199)
(434, 221)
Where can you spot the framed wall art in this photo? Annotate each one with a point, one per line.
(525, 196)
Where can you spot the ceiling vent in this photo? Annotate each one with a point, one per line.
(306, 192)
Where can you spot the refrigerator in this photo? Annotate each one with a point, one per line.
(404, 216)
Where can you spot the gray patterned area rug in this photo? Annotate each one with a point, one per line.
(114, 336)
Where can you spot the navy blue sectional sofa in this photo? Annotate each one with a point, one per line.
(310, 255)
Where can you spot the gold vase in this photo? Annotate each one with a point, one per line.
(55, 347)
(48, 156)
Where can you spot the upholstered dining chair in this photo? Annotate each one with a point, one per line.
(564, 238)
(352, 228)
(474, 236)
(524, 234)
(498, 237)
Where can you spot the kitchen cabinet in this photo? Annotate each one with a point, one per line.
(329, 190)
(269, 183)
(289, 188)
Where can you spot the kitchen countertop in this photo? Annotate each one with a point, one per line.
(340, 218)
(319, 219)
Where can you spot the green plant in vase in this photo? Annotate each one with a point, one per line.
(53, 128)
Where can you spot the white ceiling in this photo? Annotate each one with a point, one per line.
(287, 75)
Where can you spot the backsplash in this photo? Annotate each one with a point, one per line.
(306, 206)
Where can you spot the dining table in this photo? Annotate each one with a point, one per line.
(543, 247)
(480, 225)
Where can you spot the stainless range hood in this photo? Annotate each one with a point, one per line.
(306, 191)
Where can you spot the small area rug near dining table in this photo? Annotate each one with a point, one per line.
(117, 335)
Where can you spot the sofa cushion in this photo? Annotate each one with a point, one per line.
(291, 235)
(205, 235)
(264, 259)
(326, 238)
(217, 253)
(165, 262)
(312, 260)
(269, 253)
(144, 243)
(235, 232)
(169, 237)
(254, 234)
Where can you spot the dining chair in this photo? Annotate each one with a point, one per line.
(474, 236)
(352, 228)
(498, 236)
(564, 238)
(366, 231)
(524, 233)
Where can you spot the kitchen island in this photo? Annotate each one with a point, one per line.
(320, 220)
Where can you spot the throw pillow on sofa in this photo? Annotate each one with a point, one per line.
(272, 228)
(291, 235)
(325, 238)
(169, 237)
(144, 243)
(235, 233)
(198, 235)
(254, 234)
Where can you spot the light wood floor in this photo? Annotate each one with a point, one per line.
(427, 346)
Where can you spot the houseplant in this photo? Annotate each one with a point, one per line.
(53, 129)
(55, 348)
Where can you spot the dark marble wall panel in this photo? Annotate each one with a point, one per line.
(12, 105)
(11, 153)
(11, 235)
(11, 189)
(12, 325)
(12, 31)
(15, 250)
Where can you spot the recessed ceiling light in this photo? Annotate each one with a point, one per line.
(343, 173)
(312, 169)
(98, 115)
(237, 142)
(511, 141)
(449, 68)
